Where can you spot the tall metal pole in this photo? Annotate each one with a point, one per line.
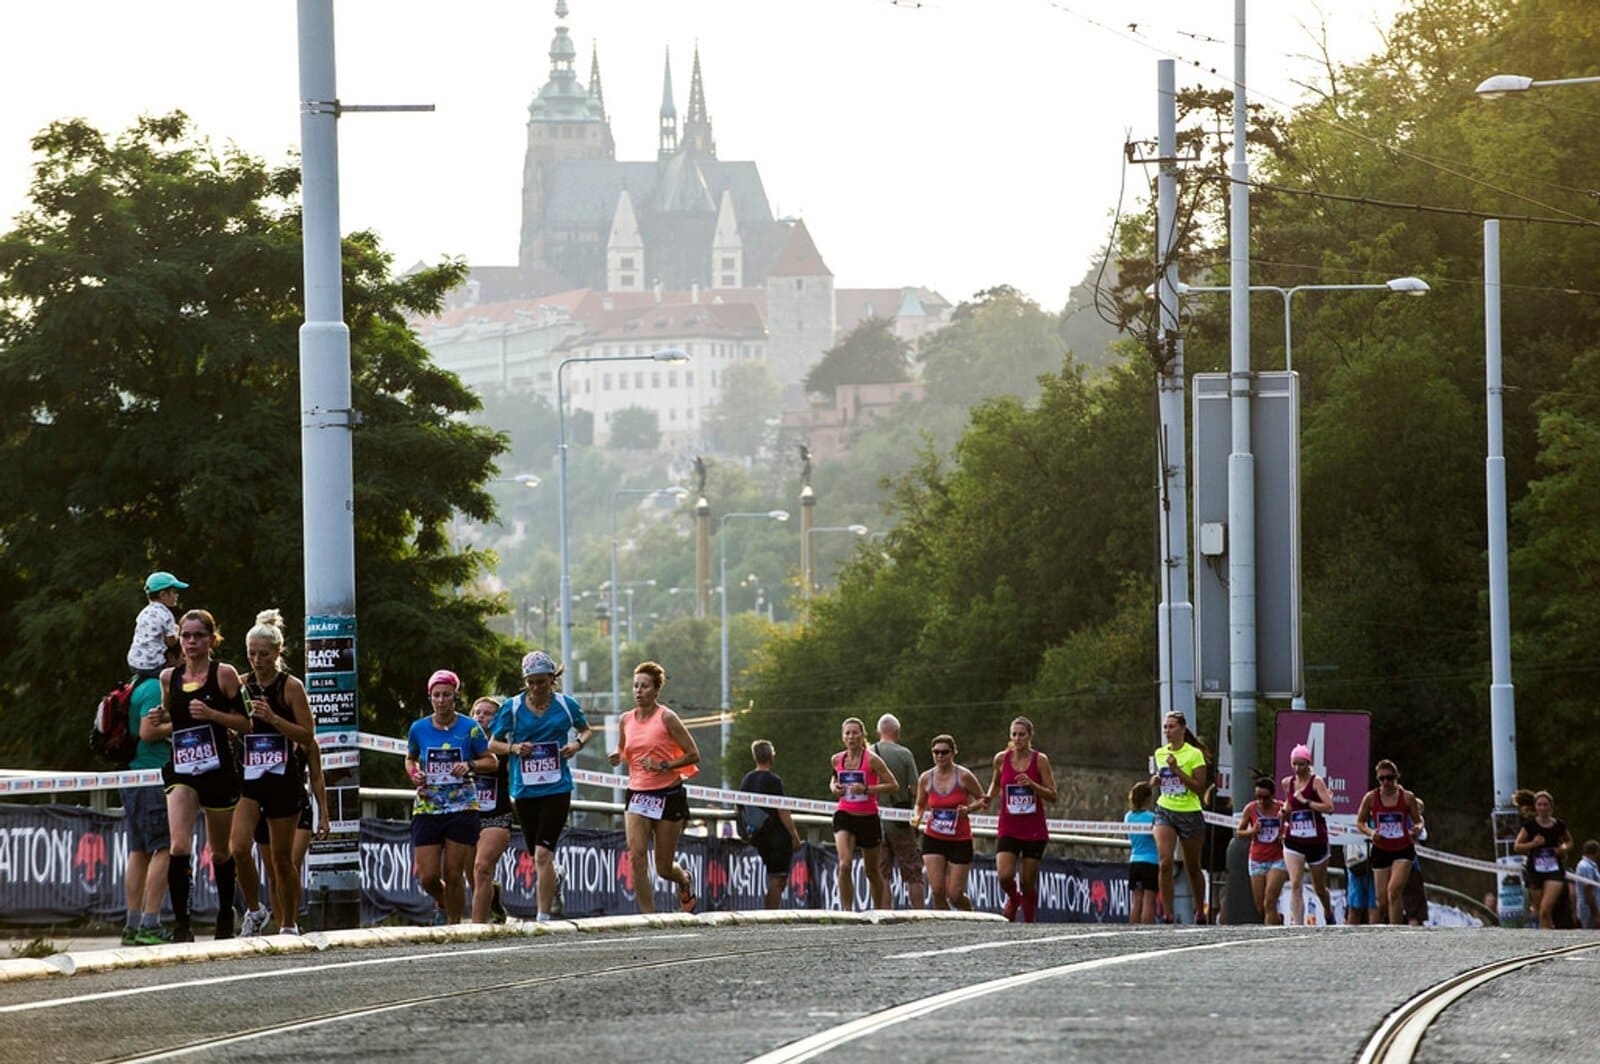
(1176, 614)
(566, 562)
(616, 650)
(326, 480)
(1241, 545)
(1502, 700)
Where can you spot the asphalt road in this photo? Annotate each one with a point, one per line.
(733, 993)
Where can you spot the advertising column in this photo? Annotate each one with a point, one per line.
(335, 862)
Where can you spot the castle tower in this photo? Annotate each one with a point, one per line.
(801, 317)
(669, 115)
(697, 123)
(600, 96)
(565, 121)
(624, 249)
(727, 249)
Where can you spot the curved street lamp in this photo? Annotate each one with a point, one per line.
(670, 354)
(1502, 85)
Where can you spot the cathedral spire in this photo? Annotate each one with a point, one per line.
(697, 123)
(669, 114)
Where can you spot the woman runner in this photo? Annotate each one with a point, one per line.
(1024, 781)
(494, 823)
(946, 794)
(1262, 823)
(1180, 776)
(443, 750)
(1545, 839)
(1307, 800)
(541, 731)
(660, 754)
(1390, 817)
(859, 776)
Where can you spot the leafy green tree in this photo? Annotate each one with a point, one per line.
(635, 428)
(869, 354)
(738, 423)
(1000, 343)
(149, 418)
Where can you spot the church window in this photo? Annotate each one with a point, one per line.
(727, 262)
(605, 382)
(627, 262)
(728, 281)
(622, 382)
(625, 280)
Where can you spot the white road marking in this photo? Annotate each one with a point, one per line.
(820, 1043)
(1014, 943)
(312, 969)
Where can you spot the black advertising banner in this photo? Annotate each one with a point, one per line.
(64, 864)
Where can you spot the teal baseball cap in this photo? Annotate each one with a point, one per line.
(160, 581)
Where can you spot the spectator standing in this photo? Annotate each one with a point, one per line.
(899, 849)
(1144, 864)
(1360, 891)
(144, 814)
(776, 840)
(155, 630)
(1588, 907)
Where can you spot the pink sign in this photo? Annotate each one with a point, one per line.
(1341, 751)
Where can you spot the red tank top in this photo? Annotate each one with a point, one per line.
(1391, 823)
(947, 813)
(1266, 844)
(1021, 811)
(858, 797)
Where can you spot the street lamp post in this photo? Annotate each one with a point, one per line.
(666, 355)
(1411, 286)
(1506, 84)
(811, 536)
(616, 667)
(722, 577)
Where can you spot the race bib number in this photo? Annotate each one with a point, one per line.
(1302, 824)
(1391, 825)
(1267, 828)
(488, 788)
(943, 822)
(854, 782)
(194, 751)
(653, 806)
(1020, 800)
(542, 765)
(265, 752)
(1544, 861)
(1171, 785)
(438, 764)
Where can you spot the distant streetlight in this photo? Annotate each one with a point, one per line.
(722, 575)
(1502, 85)
(616, 665)
(670, 354)
(1411, 286)
(811, 536)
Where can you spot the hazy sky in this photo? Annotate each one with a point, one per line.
(957, 144)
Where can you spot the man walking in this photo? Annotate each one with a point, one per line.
(899, 849)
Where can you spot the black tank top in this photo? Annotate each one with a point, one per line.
(210, 692)
(276, 696)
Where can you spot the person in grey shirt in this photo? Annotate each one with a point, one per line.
(899, 849)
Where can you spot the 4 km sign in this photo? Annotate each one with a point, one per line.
(1341, 751)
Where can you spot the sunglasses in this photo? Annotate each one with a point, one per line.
(1386, 779)
(943, 751)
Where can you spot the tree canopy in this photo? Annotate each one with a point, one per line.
(150, 301)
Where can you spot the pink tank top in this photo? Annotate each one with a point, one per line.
(856, 782)
(649, 738)
(1021, 811)
(947, 813)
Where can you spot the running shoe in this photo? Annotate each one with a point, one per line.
(558, 905)
(686, 900)
(157, 936)
(1010, 909)
(497, 907)
(255, 922)
(290, 930)
(130, 936)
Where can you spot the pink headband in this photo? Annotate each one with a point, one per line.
(444, 676)
(1300, 753)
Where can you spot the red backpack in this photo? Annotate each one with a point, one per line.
(110, 736)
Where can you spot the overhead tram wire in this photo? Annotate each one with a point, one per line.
(1312, 115)
(1418, 208)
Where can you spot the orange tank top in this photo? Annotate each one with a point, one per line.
(649, 738)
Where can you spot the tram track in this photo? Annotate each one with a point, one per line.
(1400, 1035)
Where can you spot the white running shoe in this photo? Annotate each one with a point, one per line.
(255, 922)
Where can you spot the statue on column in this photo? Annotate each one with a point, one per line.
(805, 466)
(700, 476)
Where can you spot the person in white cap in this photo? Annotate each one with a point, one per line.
(155, 630)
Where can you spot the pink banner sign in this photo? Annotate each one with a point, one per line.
(1341, 751)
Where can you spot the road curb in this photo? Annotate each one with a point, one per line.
(106, 960)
